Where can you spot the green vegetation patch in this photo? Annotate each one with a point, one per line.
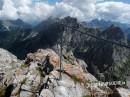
(24, 66)
(76, 79)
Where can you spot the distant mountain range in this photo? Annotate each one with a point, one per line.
(10, 31)
(103, 24)
(99, 55)
(15, 23)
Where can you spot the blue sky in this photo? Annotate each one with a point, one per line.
(53, 1)
(126, 1)
(50, 1)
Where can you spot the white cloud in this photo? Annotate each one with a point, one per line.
(35, 13)
(22, 2)
(62, 9)
(114, 11)
(84, 10)
(8, 10)
(87, 7)
(27, 11)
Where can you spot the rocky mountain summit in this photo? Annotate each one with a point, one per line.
(39, 75)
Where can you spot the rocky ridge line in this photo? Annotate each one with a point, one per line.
(39, 76)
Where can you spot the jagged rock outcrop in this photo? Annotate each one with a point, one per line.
(40, 76)
(8, 61)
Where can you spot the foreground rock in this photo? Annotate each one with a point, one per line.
(40, 76)
(8, 64)
(123, 92)
(7, 61)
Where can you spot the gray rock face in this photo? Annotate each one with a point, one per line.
(8, 64)
(46, 93)
(8, 61)
(31, 80)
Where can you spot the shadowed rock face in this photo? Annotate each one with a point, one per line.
(105, 55)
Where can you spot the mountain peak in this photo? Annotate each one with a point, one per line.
(114, 32)
(69, 19)
(15, 23)
(114, 26)
(104, 24)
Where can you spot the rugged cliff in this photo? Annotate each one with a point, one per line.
(101, 56)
